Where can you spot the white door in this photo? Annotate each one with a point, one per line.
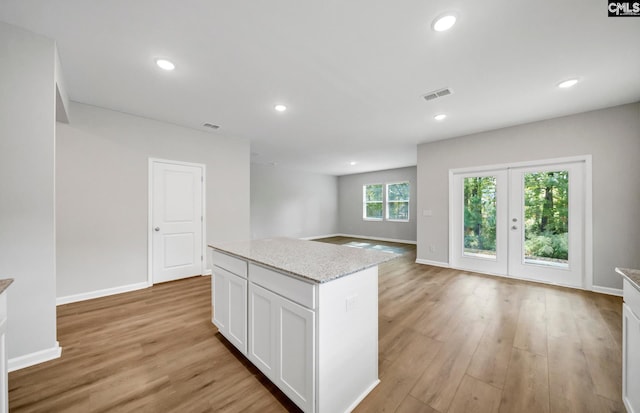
(176, 225)
(523, 222)
(546, 220)
(479, 221)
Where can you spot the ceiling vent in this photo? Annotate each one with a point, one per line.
(437, 94)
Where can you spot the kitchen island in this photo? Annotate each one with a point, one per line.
(305, 313)
(630, 339)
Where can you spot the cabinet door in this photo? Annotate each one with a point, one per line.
(220, 294)
(296, 353)
(230, 307)
(237, 327)
(630, 360)
(262, 329)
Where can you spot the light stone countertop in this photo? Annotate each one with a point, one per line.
(5, 283)
(633, 276)
(315, 261)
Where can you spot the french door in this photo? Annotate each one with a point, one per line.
(525, 222)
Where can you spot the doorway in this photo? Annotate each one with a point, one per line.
(176, 220)
(524, 221)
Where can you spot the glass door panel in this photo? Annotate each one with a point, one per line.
(480, 217)
(546, 218)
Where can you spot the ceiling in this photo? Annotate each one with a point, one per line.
(352, 73)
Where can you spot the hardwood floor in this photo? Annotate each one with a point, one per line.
(449, 341)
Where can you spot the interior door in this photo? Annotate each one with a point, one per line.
(176, 220)
(523, 222)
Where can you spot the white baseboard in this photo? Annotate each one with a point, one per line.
(607, 290)
(399, 241)
(207, 272)
(319, 237)
(37, 357)
(434, 263)
(101, 293)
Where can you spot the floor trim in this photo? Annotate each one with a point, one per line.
(101, 293)
(34, 358)
(434, 263)
(399, 241)
(607, 290)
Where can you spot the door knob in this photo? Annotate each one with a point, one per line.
(156, 229)
(514, 227)
(515, 219)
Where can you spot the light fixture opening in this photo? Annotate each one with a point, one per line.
(565, 84)
(352, 163)
(444, 22)
(280, 108)
(165, 64)
(440, 117)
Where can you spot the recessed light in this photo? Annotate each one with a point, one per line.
(352, 163)
(444, 22)
(280, 108)
(440, 117)
(567, 83)
(165, 64)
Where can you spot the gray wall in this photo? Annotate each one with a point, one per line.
(292, 203)
(611, 135)
(350, 220)
(102, 193)
(27, 215)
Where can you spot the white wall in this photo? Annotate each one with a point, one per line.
(611, 135)
(27, 164)
(350, 220)
(102, 193)
(292, 203)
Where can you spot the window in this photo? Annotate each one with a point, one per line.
(372, 202)
(398, 201)
(396, 196)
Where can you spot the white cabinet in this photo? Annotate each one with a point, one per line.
(317, 342)
(282, 343)
(631, 348)
(229, 293)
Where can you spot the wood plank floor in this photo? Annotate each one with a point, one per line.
(449, 341)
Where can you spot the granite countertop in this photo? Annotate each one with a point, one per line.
(5, 283)
(315, 261)
(633, 276)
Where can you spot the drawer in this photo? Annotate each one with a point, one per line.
(232, 264)
(289, 287)
(632, 297)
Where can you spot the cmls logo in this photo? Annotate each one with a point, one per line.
(624, 8)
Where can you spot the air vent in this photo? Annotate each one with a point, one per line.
(437, 94)
(211, 126)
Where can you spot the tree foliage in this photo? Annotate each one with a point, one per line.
(546, 212)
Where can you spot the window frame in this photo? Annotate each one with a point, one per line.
(365, 202)
(386, 203)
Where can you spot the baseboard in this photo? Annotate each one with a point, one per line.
(364, 394)
(32, 359)
(434, 263)
(101, 293)
(607, 290)
(319, 237)
(399, 241)
(207, 272)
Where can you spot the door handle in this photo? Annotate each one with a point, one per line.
(514, 227)
(156, 229)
